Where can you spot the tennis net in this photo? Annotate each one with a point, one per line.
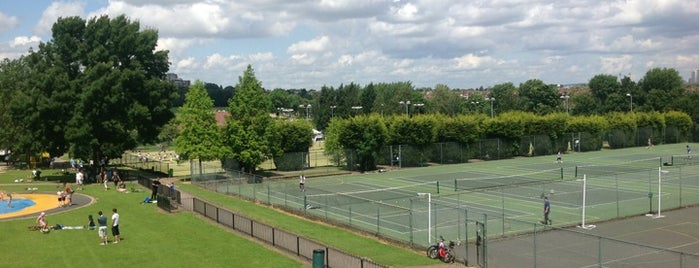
(393, 197)
(538, 177)
(629, 167)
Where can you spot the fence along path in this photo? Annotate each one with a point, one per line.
(289, 242)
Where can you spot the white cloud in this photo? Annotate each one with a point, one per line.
(7, 22)
(307, 52)
(57, 10)
(471, 61)
(310, 43)
(616, 65)
(319, 44)
(177, 46)
(25, 41)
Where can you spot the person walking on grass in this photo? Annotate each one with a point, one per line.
(115, 225)
(102, 229)
(547, 210)
(79, 178)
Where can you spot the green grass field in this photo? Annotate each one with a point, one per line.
(153, 237)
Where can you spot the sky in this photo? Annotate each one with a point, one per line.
(458, 43)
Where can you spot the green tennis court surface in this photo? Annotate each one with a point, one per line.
(641, 241)
(505, 195)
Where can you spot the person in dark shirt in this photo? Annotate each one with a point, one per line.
(156, 184)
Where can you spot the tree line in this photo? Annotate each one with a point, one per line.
(97, 89)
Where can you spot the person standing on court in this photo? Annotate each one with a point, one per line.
(689, 152)
(102, 229)
(559, 157)
(115, 225)
(302, 183)
(547, 210)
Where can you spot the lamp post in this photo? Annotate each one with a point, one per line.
(491, 99)
(357, 108)
(332, 111)
(418, 105)
(429, 215)
(308, 107)
(406, 103)
(631, 101)
(565, 98)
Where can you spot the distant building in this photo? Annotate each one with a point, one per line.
(694, 78)
(222, 117)
(176, 80)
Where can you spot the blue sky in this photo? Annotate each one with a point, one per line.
(462, 44)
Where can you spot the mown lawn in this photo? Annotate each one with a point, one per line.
(345, 240)
(153, 237)
(150, 237)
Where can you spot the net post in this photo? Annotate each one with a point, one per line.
(561, 173)
(437, 187)
(466, 234)
(455, 187)
(305, 204)
(576, 171)
(410, 223)
(378, 220)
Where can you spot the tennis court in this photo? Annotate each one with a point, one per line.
(505, 196)
(640, 241)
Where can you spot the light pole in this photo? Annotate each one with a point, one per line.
(418, 105)
(332, 111)
(631, 103)
(308, 107)
(357, 108)
(406, 103)
(429, 215)
(565, 98)
(491, 99)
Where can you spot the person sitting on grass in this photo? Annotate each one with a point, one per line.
(90, 222)
(121, 187)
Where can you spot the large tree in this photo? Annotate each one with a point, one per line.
(659, 89)
(122, 98)
(200, 137)
(505, 97)
(248, 132)
(97, 87)
(446, 101)
(538, 97)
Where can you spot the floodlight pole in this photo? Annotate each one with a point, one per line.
(429, 215)
(631, 101)
(491, 99)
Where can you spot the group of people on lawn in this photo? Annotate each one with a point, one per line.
(101, 226)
